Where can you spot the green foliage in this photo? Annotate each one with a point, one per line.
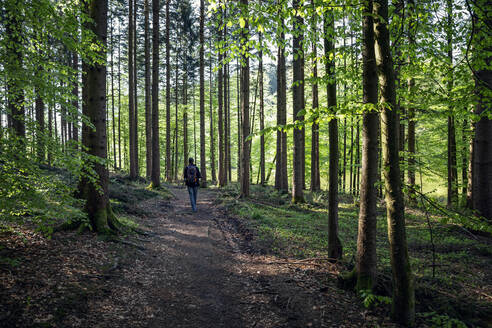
(371, 300)
(301, 231)
(434, 319)
(28, 192)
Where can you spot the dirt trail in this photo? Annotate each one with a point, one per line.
(195, 272)
(189, 270)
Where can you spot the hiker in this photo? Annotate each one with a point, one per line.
(192, 178)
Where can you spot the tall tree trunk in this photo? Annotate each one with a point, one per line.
(471, 168)
(96, 192)
(482, 148)
(334, 244)
(135, 86)
(168, 96)
(75, 102)
(212, 125)
(403, 306)
(239, 124)
(244, 95)
(50, 133)
(452, 170)
(185, 112)
(226, 110)
(40, 148)
(464, 159)
(366, 236)
(281, 177)
(220, 109)
(14, 69)
(262, 116)
(148, 109)
(298, 103)
(315, 176)
(203, 166)
(156, 152)
(112, 98)
(131, 94)
(176, 152)
(411, 109)
(119, 98)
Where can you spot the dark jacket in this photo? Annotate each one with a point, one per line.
(185, 175)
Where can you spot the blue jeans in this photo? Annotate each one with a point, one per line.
(193, 191)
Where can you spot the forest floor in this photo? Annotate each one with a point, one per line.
(212, 268)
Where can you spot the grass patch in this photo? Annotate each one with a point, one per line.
(462, 264)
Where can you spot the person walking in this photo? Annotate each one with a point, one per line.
(192, 178)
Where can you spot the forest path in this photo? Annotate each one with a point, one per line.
(196, 271)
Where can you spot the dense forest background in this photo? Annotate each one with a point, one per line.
(367, 99)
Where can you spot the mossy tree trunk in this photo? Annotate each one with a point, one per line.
(95, 192)
(366, 237)
(403, 305)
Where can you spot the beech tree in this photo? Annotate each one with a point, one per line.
(298, 103)
(403, 305)
(244, 96)
(366, 236)
(334, 244)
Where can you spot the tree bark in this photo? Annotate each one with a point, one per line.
(119, 99)
(482, 148)
(131, 94)
(168, 97)
(212, 125)
(464, 159)
(112, 98)
(366, 237)
(39, 108)
(239, 124)
(403, 305)
(185, 112)
(334, 244)
(156, 152)
(203, 166)
(96, 192)
(281, 177)
(262, 115)
(148, 109)
(452, 169)
(244, 95)
(14, 69)
(315, 176)
(135, 87)
(220, 108)
(298, 104)
(411, 110)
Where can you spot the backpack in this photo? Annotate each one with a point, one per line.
(191, 175)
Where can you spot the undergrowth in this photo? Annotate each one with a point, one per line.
(456, 287)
